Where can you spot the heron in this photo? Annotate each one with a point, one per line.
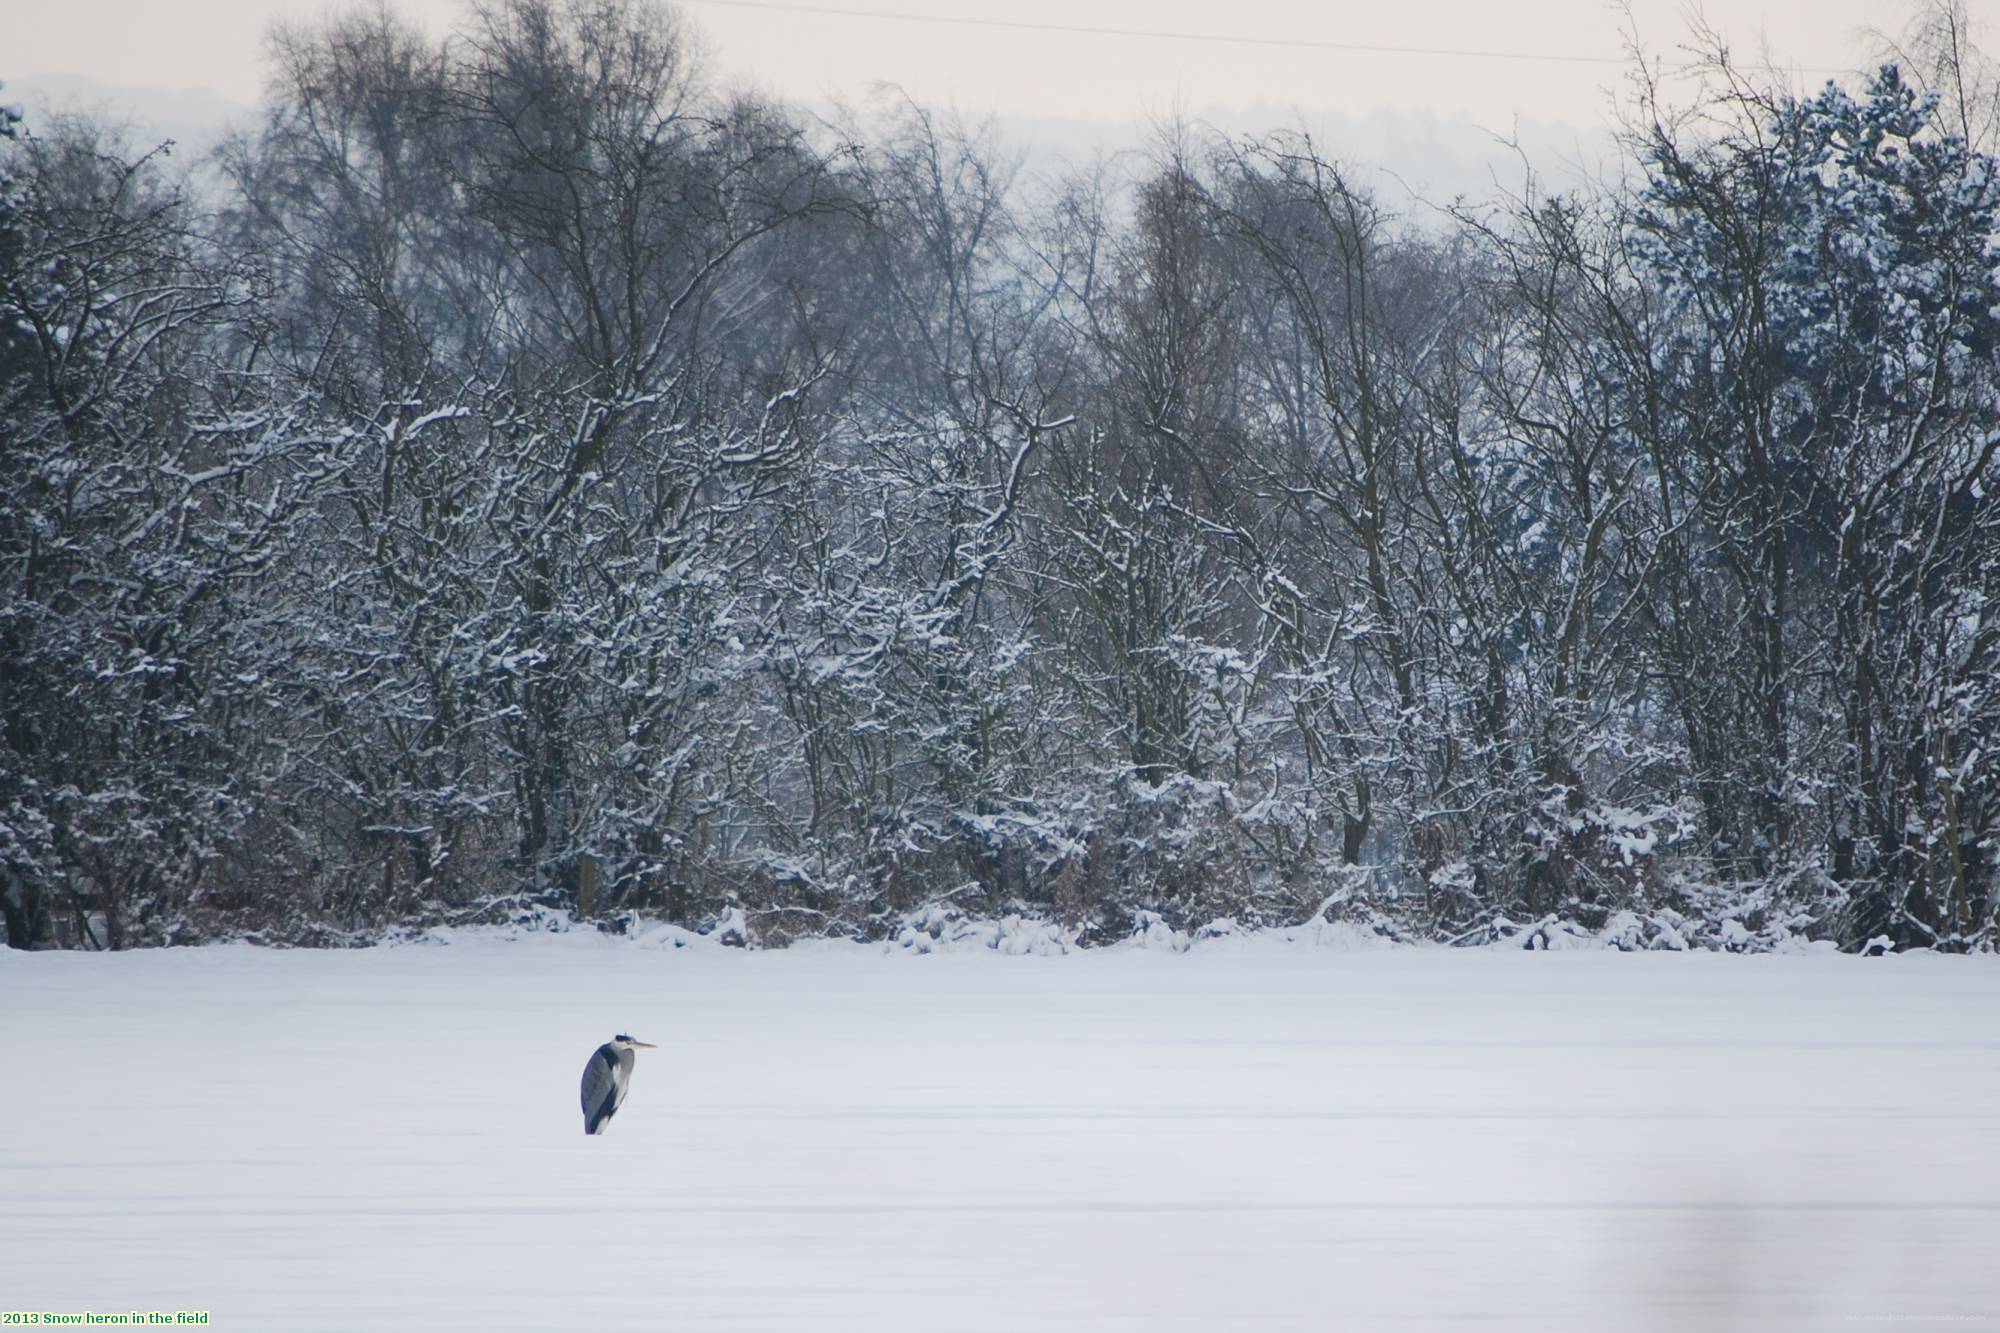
(606, 1080)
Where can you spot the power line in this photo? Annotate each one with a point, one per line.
(1236, 39)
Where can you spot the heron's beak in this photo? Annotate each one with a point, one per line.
(647, 1044)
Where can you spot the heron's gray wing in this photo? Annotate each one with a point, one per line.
(600, 1087)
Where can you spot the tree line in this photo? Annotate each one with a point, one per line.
(522, 476)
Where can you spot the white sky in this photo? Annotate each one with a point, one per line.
(215, 46)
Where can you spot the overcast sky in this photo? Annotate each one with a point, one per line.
(1062, 85)
(216, 45)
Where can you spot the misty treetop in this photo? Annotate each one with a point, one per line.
(522, 476)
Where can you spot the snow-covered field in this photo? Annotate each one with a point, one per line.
(1253, 1135)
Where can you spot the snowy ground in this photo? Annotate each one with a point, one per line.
(1253, 1135)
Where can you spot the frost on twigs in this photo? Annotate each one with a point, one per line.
(529, 488)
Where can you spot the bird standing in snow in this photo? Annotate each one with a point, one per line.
(606, 1080)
